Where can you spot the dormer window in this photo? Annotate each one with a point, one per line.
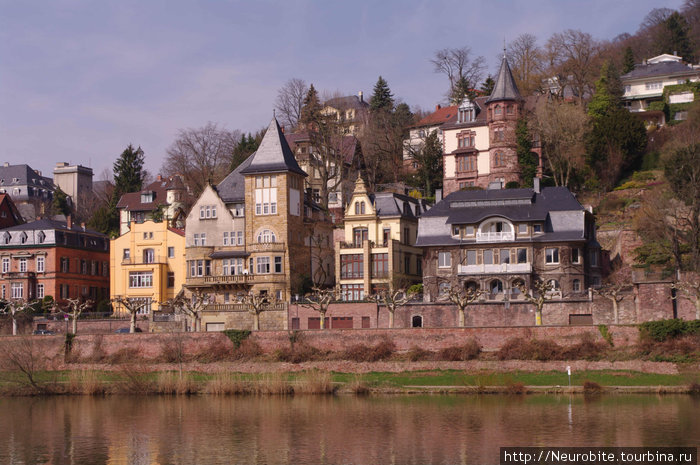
(466, 112)
(23, 238)
(495, 230)
(147, 197)
(6, 238)
(41, 237)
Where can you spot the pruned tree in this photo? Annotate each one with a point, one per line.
(539, 295)
(191, 307)
(202, 155)
(616, 289)
(319, 299)
(256, 304)
(462, 297)
(130, 305)
(14, 308)
(290, 101)
(392, 299)
(74, 308)
(463, 71)
(573, 57)
(690, 289)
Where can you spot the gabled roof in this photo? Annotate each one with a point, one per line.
(273, 154)
(132, 201)
(350, 101)
(663, 68)
(389, 204)
(16, 216)
(24, 175)
(480, 120)
(232, 188)
(505, 88)
(438, 117)
(46, 223)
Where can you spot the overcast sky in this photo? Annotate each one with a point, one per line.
(79, 80)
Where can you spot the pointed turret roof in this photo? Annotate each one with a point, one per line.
(273, 154)
(505, 88)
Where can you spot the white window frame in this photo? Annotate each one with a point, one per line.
(40, 291)
(140, 279)
(22, 265)
(5, 265)
(17, 290)
(552, 258)
(40, 264)
(444, 259)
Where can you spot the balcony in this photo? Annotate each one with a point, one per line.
(240, 279)
(482, 236)
(277, 306)
(19, 275)
(495, 269)
(140, 261)
(266, 247)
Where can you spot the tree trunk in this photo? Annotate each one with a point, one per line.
(256, 321)
(616, 313)
(391, 317)
(697, 308)
(538, 316)
(132, 328)
(14, 326)
(461, 318)
(75, 324)
(323, 320)
(197, 323)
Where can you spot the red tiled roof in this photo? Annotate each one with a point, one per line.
(132, 200)
(178, 231)
(439, 116)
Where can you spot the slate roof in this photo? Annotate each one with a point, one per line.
(232, 188)
(350, 101)
(132, 201)
(46, 223)
(273, 154)
(25, 175)
(559, 211)
(480, 120)
(663, 68)
(390, 204)
(505, 88)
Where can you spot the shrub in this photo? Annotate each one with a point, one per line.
(298, 353)
(586, 349)
(516, 388)
(216, 351)
(416, 354)
(358, 386)
(663, 330)
(532, 349)
(607, 335)
(416, 289)
(468, 351)
(362, 353)
(591, 387)
(694, 389)
(237, 336)
(248, 350)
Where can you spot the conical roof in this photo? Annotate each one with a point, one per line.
(273, 154)
(505, 88)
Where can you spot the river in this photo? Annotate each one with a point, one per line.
(438, 429)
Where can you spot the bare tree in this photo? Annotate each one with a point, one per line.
(319, 300)
(527, 60)
(290, 100)
(460, 67)
(256, 304)
(132, 306)
(23, 360)
(616, 289)
(561, 127)
(462, 297)
(192, 306)
(74, 307)
(13, 308)
(573, 56)
(201, 155)
(392, 299)
(538, 296)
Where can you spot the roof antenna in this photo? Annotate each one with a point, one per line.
(273, 113)
(504, 46)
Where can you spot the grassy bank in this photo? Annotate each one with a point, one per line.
(130, 380)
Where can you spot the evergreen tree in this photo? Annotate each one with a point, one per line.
(59, 203)
(527, 159)
(461, 90)
(245, 147)
(676, 38)
(381, 100)
(608, 91)
(128, 172)
(311, 109)
(429, 161)
(628, 61)
(487, 86)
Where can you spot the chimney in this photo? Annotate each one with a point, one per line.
(159, 178)
(437, 107)
(438, 195)
(361, 96)
(82, 226)
(69, 222)
(536, 185)
(282, 128)
(6, 164)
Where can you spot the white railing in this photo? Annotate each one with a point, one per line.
(501, 268)
(494, 236)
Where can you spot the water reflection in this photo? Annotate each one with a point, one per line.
(314, 429)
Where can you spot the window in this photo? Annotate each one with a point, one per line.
(266, 195)
(94, 268)
(471, 257)
(140, 279)
(466, 163)
(171, 279)
(386, 234)
(239, 235)
(105, 268)
(3, 291)
(455, 231)
(499, 159)
(551, 255)
(505, 255)
(278, 264)
(83, 267)
(64, 291)
(380, 265)
(263, 265)
(126, 254)
(593, 257)
(149, 256)
(576, 285)
(359, 236)
(515, 288)
(6, 238)
(207, 211)
(406, 236)
(5, 265)
(171, 252)
(359, 208)
(465, 139)
(537, 228)
(41, 237)
(266, 236)
(488, 257)
(199, 267)
(522, 255)
(226, 237)
(39, 291)
(509, 109)
(17, 290)
(22, 265)
(444, 260)
(498, 110)
(40, 262)
(495, 288)
(575, 255)
(352, 266)
(654, 85)
(407, 264)
(143, 305)
(522, 229)
(469, 231)
(352, 292)
(23, 238)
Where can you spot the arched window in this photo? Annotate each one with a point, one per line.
(495, 230)
(498, 110)
(23, 237)
(357, 208)
(6, 238)
(265, 236)
(41, 237)
(362, 208)
(417, 321)
(472, 285)
(495, 288)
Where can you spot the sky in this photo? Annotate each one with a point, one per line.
(80, 80)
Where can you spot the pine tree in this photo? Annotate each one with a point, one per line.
(429, 160)
(59, 203)
(676, 38)
(245, 147)
(311, 109)
(608, 91)
(487, 86)
(628, 61)
(381, 100)
(128, 172)
(461, 90)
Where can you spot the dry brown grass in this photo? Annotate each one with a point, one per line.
(215, 351)
(271, 384)
(363, 353)
(248, 350)
(358, 385)
(417, 354)
(299, 353)
(314, 382)
(134, 379)
(85, 382)
(170, 382)
(468, 351)
(224, 384)
(544, 349)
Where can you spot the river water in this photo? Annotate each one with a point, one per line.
(437, 429)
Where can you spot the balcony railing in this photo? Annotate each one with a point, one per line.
(494, 236)
(144, 260)
(500, 268)
(230, 279)
(19, 274)
(266, 247)
(277, 306)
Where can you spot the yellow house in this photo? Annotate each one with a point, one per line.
(147, 264)
(379, 247)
